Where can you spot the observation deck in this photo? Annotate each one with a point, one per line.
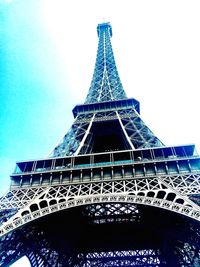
(110, 165)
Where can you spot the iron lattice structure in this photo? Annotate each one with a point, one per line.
(110, 193)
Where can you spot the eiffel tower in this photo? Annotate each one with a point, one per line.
(109, 194)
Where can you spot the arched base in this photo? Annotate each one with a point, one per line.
(110, 234)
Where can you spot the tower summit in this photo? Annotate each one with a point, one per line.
(109, 194)
(106, 84)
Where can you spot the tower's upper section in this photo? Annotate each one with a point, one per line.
(106, 84)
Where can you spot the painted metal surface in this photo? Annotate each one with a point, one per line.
(112, 169)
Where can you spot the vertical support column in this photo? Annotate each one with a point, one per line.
(124, 131)
(85, 136)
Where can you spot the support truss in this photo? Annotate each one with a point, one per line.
(136, 133)
(147, 258)
(154, 192)
(106, 84)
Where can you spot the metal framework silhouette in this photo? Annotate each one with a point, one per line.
(110, 193)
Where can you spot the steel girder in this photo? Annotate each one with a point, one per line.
(137, 134)
(106, 84)
(31, 242)
(122, 258)
(186, 185)
(154, 192)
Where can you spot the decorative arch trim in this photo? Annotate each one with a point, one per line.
(34, 211)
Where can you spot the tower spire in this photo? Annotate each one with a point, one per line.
(106, 84)
(108, 120)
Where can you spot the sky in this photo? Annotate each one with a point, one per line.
(47, 56)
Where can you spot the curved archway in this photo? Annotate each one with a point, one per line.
(53, 202)
(150, 194)
(34, 207)
(161, 194)
(43, 204)
(36, 212)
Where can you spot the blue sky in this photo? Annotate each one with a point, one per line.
(48, 50)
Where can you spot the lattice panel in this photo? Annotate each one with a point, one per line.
(141, 136)
(153, 192)
(20, 197)
(112, 212)
(69, 144)
(106, 84)
(147, 258)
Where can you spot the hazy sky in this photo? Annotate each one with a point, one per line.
(48, 50)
